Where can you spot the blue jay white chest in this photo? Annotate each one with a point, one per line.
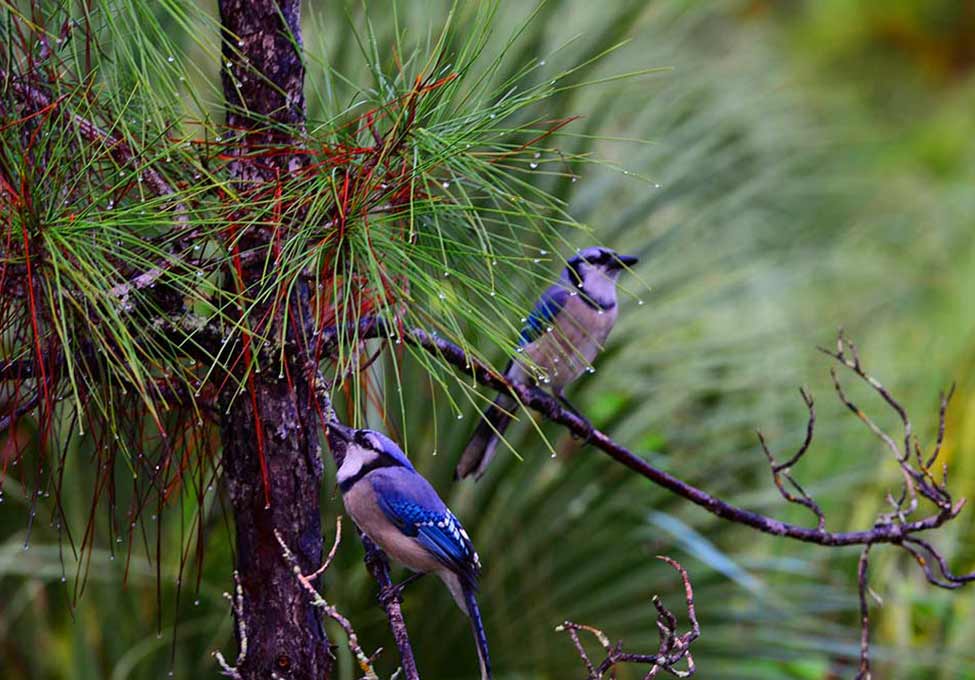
(578, 335)
(364, 509)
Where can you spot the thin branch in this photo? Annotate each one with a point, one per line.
(365, 661)
(378, 566)
(237, 605)
(673, 648)
(551, 409)
(781, 471)
(863, 587)
(376, 562)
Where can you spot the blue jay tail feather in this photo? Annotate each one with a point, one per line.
(482, 447)
(477, 626)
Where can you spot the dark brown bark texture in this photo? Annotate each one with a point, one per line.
(263, 86)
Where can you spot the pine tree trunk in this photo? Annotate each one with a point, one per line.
(285, 636)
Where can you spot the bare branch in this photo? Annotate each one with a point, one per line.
(863, 587)
(378, 566)
(364, 661)
(237, 605)
(673, 649)
(781, 471)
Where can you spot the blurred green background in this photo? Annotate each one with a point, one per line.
(815, 163)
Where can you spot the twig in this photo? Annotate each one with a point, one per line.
(237, 605)
(862, 588)
(365, 661)
(672, 650)
(378, 566)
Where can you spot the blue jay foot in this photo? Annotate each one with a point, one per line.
(587, 437)
(394, 591)
(560, 395)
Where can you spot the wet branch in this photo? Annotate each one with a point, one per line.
(673, 649)
(922, 482)
(307, 582)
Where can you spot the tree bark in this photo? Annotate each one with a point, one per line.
(274, 417)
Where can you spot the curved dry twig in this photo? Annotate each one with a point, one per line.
(364, 660)
(674, 648)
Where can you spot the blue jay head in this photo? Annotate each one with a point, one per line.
(597, 265)
(357, 450)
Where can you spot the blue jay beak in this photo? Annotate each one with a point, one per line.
(338, 436)
(627, 260)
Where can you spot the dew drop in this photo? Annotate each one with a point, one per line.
(64, 579)
(639, 302)
(493, 293)
(536, 260)
(543, 252)
(442, 296)
(537, 155)
(460, 416)
(533, 165)
(446, 185)
(574, 179)
(170, 59)
(196, 603)
(541, 63)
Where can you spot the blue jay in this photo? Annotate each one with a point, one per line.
(401, 513)
(565, 331)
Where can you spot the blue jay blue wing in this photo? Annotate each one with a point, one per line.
(546, 309)
(437, 530)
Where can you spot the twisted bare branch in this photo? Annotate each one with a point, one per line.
(674, 648)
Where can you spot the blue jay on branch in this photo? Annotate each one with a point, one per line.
(565, 331)
(401, 513)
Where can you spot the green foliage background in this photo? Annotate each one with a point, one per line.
(815, 163)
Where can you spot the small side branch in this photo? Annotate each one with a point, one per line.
(673, 649)
(237, 605)
(782, 471)
(378, 566)
(307, 582)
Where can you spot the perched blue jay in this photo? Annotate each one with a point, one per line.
(401, 513)
(566, 330)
